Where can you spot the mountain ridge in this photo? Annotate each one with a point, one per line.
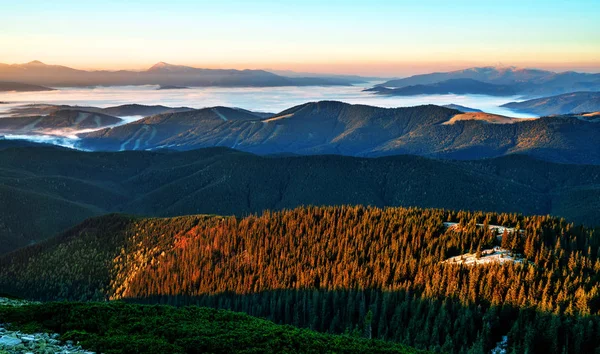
(451, 86)
(568, 103)
(331, 127)
(524, 81)
(22, 87)
(62, 187)
(132, 109)
(61, 121)
(160, 74)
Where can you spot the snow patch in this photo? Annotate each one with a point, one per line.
(496, 255)
(499, 229)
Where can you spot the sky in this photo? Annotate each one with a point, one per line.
(376, 37)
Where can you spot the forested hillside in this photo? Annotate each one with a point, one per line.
(42, 109)
(61, 121)
(63, 187)
(330, 127)
(376, 272)
(568, 103)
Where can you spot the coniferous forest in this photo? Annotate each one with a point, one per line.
(363, 271)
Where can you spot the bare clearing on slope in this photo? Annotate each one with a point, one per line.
(496, 255)
(484, 117)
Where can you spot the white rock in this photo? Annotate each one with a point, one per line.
(9, 341)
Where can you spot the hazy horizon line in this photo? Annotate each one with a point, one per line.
(387, 69)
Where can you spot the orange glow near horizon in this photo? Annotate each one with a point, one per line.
(383, 69)
(375, 37)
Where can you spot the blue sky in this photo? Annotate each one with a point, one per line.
(378, 36)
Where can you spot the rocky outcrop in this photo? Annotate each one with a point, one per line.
(13, 342)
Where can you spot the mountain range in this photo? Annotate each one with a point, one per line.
(163, 74)
(353, 78)
(63, 121)
(451, 86)
(60, 120)
(527, 82)
(126, 110)
(62, 187)
(19, 87)
(568, 103)
(306, 236)
(330, 127)
(497, 81)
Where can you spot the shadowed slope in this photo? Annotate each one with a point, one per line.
(569, 103)
(60, 121)
(62, 187)
(331, 127)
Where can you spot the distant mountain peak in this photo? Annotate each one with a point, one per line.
(161, 73)
(506, 67)
(35, 62)
(162, 66)
(492, 69)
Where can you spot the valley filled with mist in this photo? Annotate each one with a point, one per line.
(267, 100)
